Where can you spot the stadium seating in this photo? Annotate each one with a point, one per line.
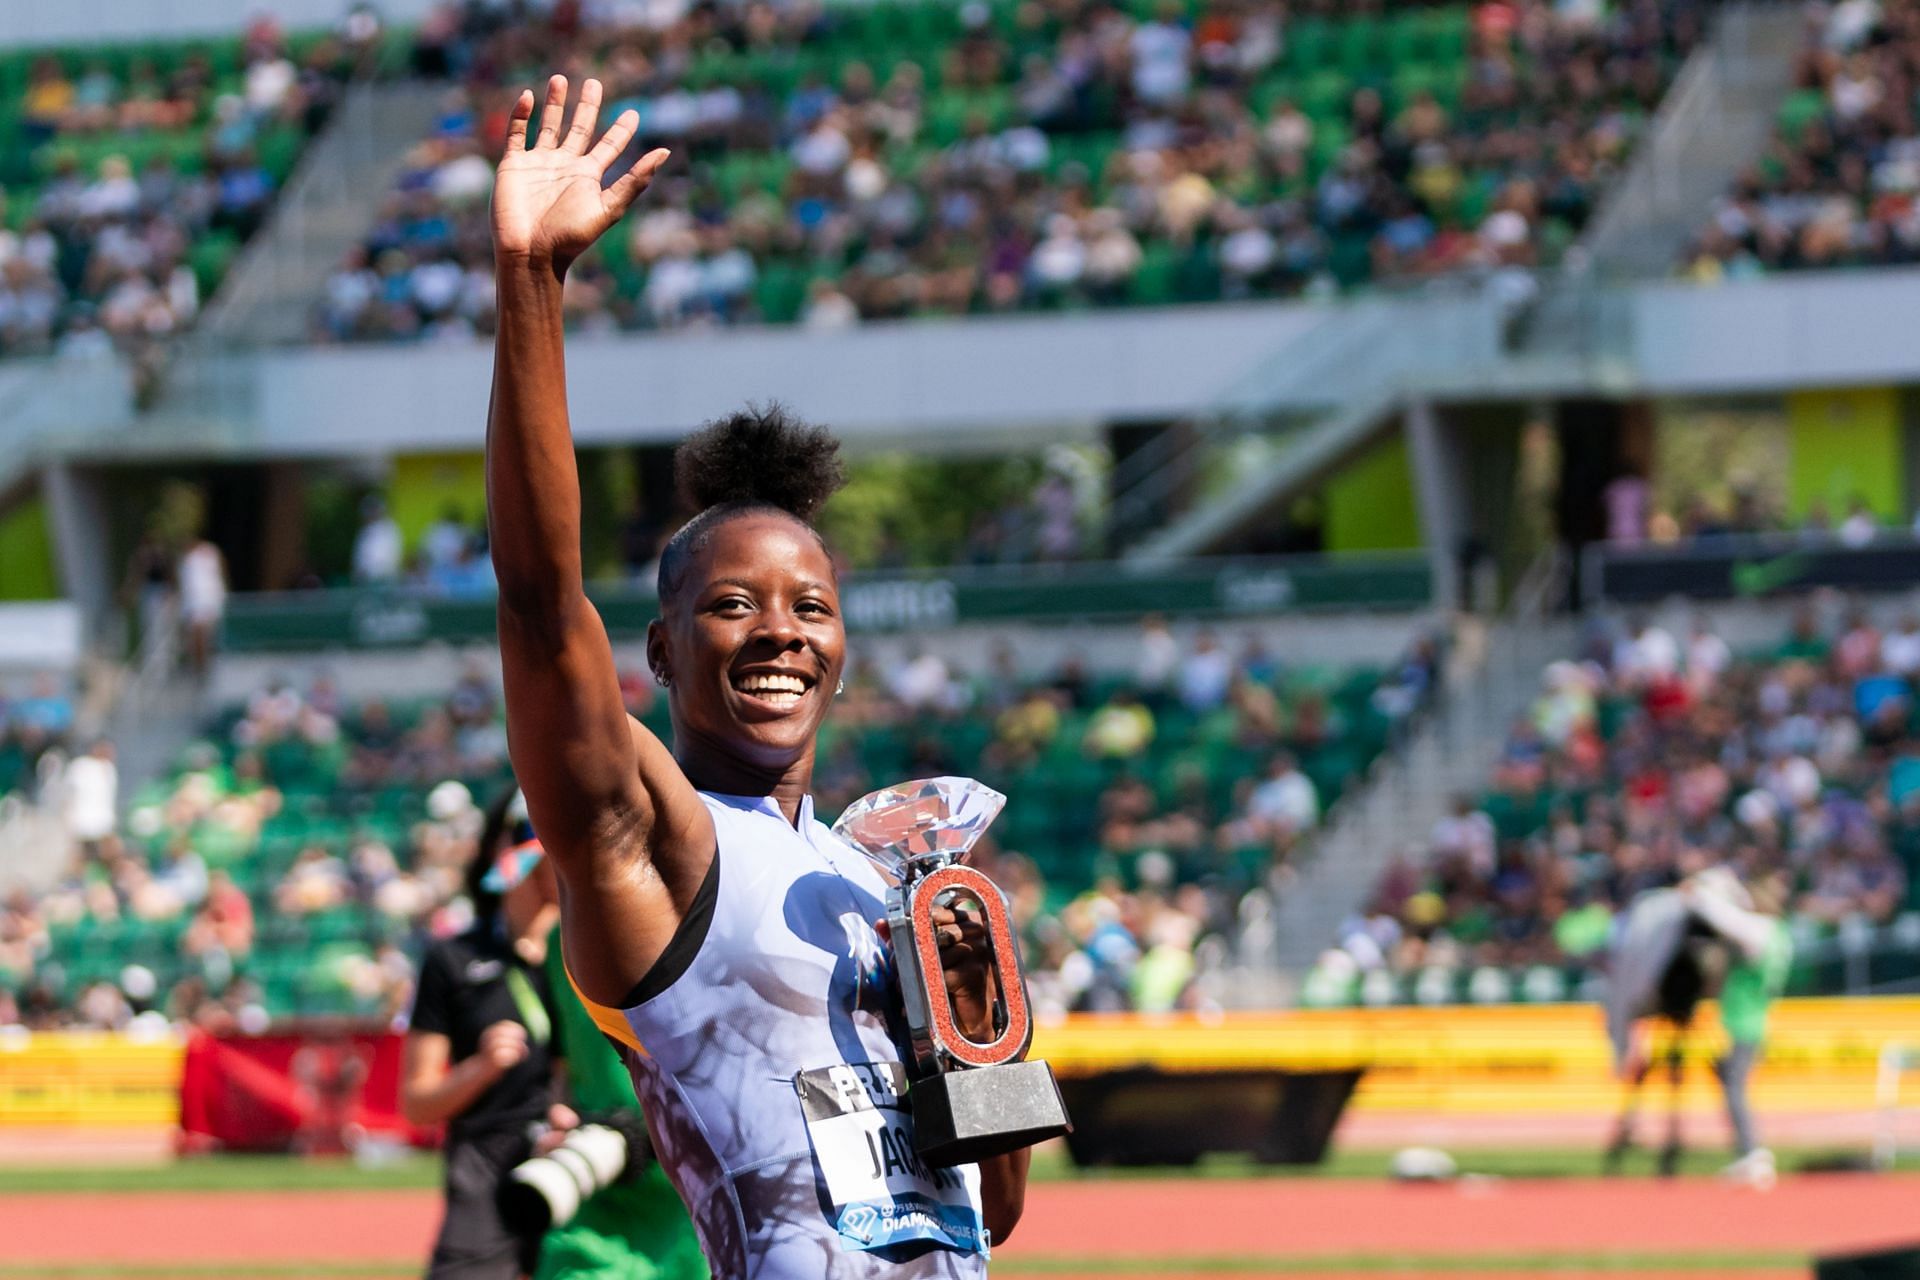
(345, 828)
(906, 158)
(1836, 187)
(130, 173)
(1795, 766)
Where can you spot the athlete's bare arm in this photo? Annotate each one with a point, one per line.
(625, 829)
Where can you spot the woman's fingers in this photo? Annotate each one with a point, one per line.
(518, 119)
(615, 139)
(971, 932)
(586, 114)
(964, 943)
(631, 183)
(553, 112)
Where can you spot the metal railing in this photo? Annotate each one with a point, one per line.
(323, 209)
(1493, 669)
(1711, 123)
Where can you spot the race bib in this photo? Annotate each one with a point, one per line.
(883, 1195)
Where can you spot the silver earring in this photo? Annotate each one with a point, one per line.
(840, 688)
(660, 678)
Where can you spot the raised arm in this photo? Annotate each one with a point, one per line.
(627, 833)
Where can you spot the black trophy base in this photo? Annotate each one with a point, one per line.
(975, 1113)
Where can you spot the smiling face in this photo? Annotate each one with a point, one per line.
(752, 645)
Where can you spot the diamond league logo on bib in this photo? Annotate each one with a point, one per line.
(861, 1222)
(970, 1099)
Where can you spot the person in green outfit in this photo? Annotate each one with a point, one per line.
(1760, 953)
(637, 1228)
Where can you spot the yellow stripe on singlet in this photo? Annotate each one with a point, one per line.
(611, 1021)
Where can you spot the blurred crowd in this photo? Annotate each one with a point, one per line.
(1043, 153)
(127, 183)
(36, 718)
(1838, 184)
(1656, 755)
(295, 857)
(1634, 519)
(450, 559)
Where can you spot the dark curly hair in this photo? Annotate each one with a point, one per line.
(759, 459)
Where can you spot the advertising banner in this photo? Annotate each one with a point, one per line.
(88, 1079)
(875, 602)
(306, 1089)
(312, 1092)
(1749, 568)
(1822, 1054)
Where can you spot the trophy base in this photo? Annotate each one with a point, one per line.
(978, 1112)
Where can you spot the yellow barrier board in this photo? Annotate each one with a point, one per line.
(1821, 1054)
(89, 1080)
(1537, 1059)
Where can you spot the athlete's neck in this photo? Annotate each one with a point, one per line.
(710, 767)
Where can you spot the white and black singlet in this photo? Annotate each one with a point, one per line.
(764, 1050)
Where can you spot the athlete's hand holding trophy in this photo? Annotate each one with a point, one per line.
(971, 1099)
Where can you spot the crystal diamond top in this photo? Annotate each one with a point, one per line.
(932, 820)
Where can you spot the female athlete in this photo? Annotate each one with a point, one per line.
(717, 931)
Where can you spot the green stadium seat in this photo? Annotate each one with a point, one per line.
(1543, 984)
(1380, 989)
(1435, 985)
(1489, 985)
(1310, 44)
(1802, 108)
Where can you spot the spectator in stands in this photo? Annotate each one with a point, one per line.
(46, 710)
(1466, 834)
(1627, 498)
(181, 883)
(447, 539)
(1648, 655)
(1157, 658)
(149, 585)
(224, 924)
(1206, 674)
(1281, 807)
(202, 579)
(317, 881)
(872, 191)
(1860, 527)
(1121, 729)
(91, 784)
(378, 549)
(330, 814)
(922, 682)
(1759, 764)
(23, 941)
(1835, 187)
(110, 253)
(1027, 728)
(1900, 650)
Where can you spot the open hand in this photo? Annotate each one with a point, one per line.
(548, 201)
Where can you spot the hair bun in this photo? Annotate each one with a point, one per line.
(761, 455)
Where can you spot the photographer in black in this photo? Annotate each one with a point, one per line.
(481, 1054)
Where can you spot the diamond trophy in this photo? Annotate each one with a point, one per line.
(971, 1099)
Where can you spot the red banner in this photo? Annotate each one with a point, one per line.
(307, 1090)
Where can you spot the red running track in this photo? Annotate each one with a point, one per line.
(1301, 1218)
(1190, 1218)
